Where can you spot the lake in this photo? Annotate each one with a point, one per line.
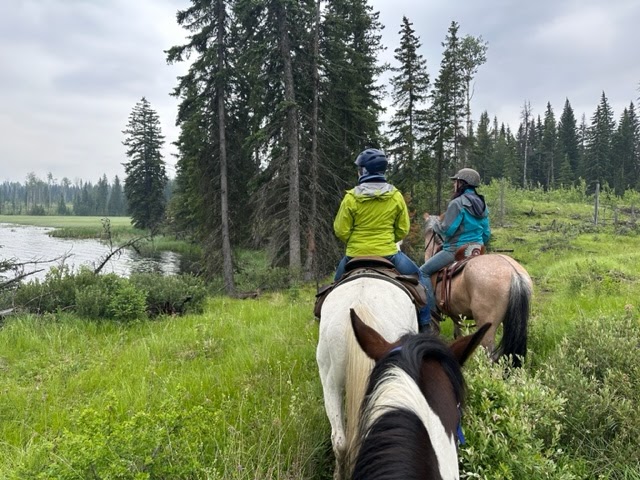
(27, 243)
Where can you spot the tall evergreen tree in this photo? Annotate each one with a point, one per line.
(145, 169)
(536, 165)
(115, 205)
(446, 113)
(409, 92)
(599, 141)
(625, 151)
(524, 141)
(483, 147)
(102, 195)
(349, 108)
(568, 151)
(549, 141)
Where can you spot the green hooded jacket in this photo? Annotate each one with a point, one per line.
(371, 219)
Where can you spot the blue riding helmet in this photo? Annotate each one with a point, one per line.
(372, 160)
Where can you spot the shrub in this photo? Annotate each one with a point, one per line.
(598, 371)
(512, 425)
(174, 294)
(127, 302)
(110, 296)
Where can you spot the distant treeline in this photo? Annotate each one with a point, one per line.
(52, 197)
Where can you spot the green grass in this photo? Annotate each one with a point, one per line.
(65, 221)
(234, 393)
(239, 368)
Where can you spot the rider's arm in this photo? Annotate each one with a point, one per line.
(452, 219)
(343, 223)
(486, 232)
(401, 227)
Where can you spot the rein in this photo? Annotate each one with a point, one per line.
(431, 240)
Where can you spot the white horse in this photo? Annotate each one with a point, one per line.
(344, 368)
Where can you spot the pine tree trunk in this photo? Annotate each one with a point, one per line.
(295, 262)
(227, 257)
(313, 214)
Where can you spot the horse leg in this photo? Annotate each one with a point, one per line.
(333, 406)
(332, 379)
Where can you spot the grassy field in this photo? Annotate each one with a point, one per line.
(65, 221)
(234, 393)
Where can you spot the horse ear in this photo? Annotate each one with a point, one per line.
(463, 347)
(371, 342)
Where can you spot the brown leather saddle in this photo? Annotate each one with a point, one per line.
(376, 267)
(445, 276)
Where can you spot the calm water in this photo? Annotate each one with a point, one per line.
(25, 243)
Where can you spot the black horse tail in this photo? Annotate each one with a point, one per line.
(515, 323)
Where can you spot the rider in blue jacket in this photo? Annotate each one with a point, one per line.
(465, 221)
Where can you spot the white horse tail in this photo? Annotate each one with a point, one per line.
(358, 368)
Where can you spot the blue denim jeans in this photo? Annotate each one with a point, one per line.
(431, 266)
(405, 266)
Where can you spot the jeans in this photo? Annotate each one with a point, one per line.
(431, 266)
(405, 266)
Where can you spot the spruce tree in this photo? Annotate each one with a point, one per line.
(483, 148)
(145, 169)
(409, 92)
(446, 113)
(524, 141)
(625, 151)
(568, 151)
(599, 142)
(102, 195)
(115, 205)
(549, 153)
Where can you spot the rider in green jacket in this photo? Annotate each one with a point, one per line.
(373, 217)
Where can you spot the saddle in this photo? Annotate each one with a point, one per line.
(444, 277)
(377, 267)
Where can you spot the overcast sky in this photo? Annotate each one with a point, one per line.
(71, 70)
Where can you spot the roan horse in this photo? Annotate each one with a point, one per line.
(492, 288)
(342, 362)
(410, 419)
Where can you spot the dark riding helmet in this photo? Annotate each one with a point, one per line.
(372, 160)
(468, 175)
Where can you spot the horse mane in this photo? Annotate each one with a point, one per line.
(395, 442)
(357, 373)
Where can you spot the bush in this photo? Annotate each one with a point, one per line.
(512, 425)
(56, 292)
(127, 302)
(597, 368)
(110, 296)
(175, 294)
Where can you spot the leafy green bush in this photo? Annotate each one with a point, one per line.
(110, 296)
(173, 294)
(127, 302)
(512, 425)
(597, 370)
(56, 292)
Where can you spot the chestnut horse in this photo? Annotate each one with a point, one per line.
(492, 288)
